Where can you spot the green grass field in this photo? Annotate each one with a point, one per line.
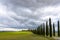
(21, 36)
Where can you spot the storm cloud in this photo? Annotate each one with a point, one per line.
(25, 14)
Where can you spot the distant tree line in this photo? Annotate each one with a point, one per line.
(47, 29)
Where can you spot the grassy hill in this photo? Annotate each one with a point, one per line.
(21, 36)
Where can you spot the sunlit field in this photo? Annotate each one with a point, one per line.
(21, 36)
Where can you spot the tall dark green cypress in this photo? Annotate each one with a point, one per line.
(40, 29)
(47, 28)
(58, 29)
(43, 29)
(50, 27)
(53, 29)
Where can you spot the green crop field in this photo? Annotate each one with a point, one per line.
(21, 36)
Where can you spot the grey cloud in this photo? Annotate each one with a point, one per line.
(28, 13)
(31, 3)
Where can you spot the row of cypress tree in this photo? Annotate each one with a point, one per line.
(47, 29)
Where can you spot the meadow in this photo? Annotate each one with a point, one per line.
(22, 36)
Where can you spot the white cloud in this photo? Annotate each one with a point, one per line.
(3, 10)
(11, 29)
(48, 11)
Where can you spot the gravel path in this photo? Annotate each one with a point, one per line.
(57, 38)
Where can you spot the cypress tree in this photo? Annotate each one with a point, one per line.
(43, 29)
(58, 29)
(38, 30)
(53, 29)
(50, 27)
(47, 28)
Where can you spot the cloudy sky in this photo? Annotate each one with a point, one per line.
(24, 14)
